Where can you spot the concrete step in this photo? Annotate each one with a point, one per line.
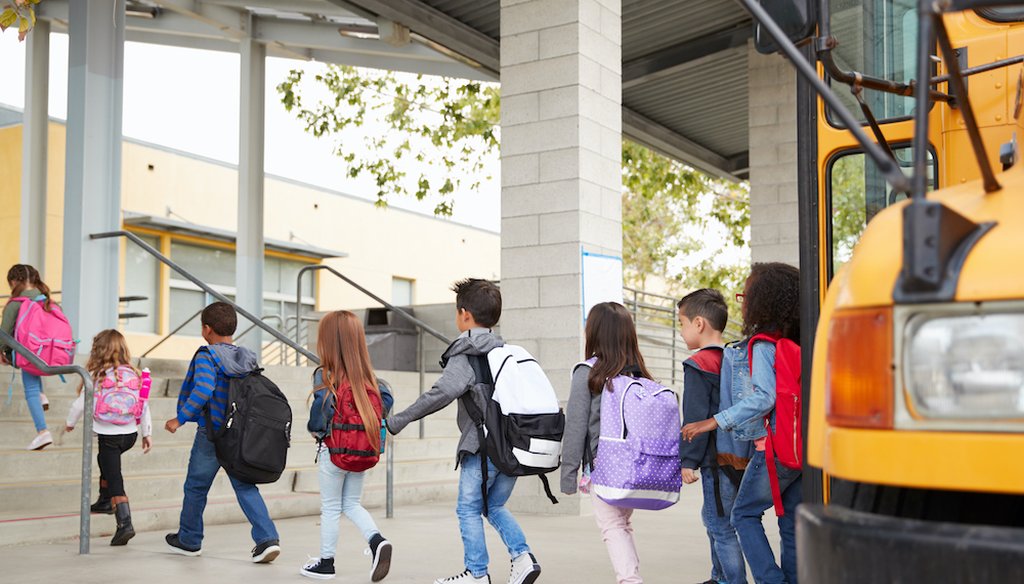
(19, 528)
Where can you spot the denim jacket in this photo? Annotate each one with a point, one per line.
(753, 398)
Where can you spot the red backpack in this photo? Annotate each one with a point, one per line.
(785, 443)
(348, 444)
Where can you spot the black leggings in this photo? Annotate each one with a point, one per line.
(109, 458)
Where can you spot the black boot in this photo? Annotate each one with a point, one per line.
(102, 504)
(125, 531)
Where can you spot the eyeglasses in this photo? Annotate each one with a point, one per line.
(739, 297)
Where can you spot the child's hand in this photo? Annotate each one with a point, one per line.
(147, 444)
(172, 425)
(691, 430)
(689, 476)
(69, 428)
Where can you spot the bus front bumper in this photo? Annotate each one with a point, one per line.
(839, 545)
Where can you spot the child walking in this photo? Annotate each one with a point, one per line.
(477, 309)
(121, 412)
(346, 377)
(612, 350)
(703, 315)
(25, 282)
(771, 305)
(205, 390)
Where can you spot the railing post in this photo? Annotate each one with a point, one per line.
(389, 498)
(422, 367)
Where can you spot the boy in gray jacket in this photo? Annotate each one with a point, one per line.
(477, 309)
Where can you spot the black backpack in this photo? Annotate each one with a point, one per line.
(507, 440)
(252, 443)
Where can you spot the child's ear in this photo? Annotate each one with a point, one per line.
(700, 323)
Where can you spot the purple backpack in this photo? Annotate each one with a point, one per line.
(637, 462)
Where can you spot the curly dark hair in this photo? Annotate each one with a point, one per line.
(771, 301)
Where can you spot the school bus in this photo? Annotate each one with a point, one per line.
(914, 302)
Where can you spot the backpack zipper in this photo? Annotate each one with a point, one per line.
(796, 402)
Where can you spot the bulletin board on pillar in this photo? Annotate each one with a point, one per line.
(602, 279)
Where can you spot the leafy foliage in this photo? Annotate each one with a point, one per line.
(21, 13)
(667, 207)
(449, 124)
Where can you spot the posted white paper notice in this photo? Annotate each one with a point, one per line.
(602, 280)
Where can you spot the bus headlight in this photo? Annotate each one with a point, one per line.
(969, 366)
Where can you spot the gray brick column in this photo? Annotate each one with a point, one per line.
(774, 229)
(561, 157)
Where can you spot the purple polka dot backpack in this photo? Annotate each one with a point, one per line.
(637, 460)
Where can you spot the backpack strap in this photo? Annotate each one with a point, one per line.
(773, 473)
(481, 374)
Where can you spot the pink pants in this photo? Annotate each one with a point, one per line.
(617, 532)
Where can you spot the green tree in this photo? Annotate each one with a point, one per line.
(667, 207)
(18, 12)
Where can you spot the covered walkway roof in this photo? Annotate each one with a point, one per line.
(684, 63)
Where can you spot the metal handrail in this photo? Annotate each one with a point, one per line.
(280, 321)
(84, 512)
(203, 286)
(298, 302)
(176, 330)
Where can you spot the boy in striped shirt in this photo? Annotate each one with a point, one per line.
(205, 389)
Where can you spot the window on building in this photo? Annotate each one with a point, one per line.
(401, 291)
(142, 279)
(216, 267)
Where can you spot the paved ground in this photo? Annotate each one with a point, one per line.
(673, 548)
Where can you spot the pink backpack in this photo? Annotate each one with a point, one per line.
(45, 333)
(121, 396)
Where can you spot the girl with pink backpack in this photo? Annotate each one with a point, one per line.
(30, 308)
(121, 412)
(613, 372)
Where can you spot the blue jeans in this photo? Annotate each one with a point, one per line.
(33, 387)
(752, 500)
(726, 556)
(202, 469)
(470, 510)
(341, 491)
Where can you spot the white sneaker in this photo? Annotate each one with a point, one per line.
(44, 401)
(464, 578)
(41, 441)
(525, 569)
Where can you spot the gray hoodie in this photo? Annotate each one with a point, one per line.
(456, 379)
(235, 361)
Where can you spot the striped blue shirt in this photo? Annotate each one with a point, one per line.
(206, 385)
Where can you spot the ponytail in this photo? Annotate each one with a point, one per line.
(24, 277)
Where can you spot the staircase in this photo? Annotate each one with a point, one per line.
(40, 491)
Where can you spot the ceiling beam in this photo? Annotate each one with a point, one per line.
(671, 59)
(434, 25)
(670, 143)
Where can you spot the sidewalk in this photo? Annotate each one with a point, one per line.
(673, 548)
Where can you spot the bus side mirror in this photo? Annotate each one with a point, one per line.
(795, 17)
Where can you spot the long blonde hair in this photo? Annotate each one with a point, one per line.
(341, 344)
(109, 351)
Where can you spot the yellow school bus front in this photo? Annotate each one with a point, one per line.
(917, 410)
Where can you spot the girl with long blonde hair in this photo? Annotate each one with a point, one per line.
(120, 414)
(346, 390)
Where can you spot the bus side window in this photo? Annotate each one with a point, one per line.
(856, 193)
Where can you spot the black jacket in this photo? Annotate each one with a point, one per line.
(701, 375)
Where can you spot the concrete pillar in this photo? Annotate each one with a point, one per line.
(92, 187)
(774, 225)
(249, 258)
(34, 148)
(561, 157)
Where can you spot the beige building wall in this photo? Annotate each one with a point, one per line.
(380, 243)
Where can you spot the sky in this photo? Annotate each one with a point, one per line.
(188, 99)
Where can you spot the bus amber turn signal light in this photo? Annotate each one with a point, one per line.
(859, 375)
